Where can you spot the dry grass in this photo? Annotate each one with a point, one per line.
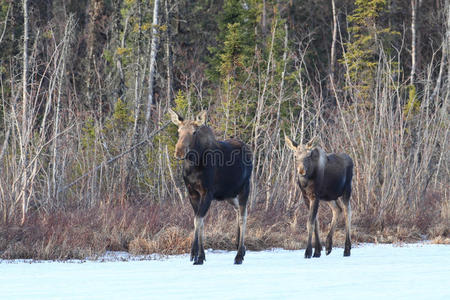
(167, 229)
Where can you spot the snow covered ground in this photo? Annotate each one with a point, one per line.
(418, 271)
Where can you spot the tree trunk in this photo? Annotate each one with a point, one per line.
(151, 75)
(168, 54)
(283, 75)
(447, 48)
(333, 44)
(445, 52)
(95, 44)
(56, 170)
(25, 117)
(6, 23)
(263, 19)
(413, 41)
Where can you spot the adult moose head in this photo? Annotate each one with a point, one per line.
(212, 170)
(326, 177)
(186, 132)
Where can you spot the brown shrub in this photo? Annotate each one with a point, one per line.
(168, 229)
(169, 240)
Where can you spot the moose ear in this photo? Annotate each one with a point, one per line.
(201, 118)
(315, 154)
(291, 144)
(176, 118)
(311, 143)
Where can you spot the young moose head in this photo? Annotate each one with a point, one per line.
(186, 132)
(304, 155)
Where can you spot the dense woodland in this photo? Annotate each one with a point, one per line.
(86, 148)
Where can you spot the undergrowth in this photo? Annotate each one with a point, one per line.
(167, 229)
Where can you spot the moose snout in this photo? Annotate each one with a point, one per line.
(180, 153)
(302, 171)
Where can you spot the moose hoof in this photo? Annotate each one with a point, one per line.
(329, 246)
(317, 250)
(194, 257)
(238, 260)
(347, 250)
(199, 260)
(240, 256)
(308, 253)
(194, 254)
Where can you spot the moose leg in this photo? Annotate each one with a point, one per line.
(313, 208)
(317, 244)
(336, 210)
(242, 225)
(238, 231)
(234, 202)
(348, 218)
(194, 198)
(197, 251)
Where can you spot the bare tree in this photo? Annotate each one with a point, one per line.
(25, 116)
(447, 38)
(56, 161)
(168, 52)
(444, 51)
(333, 43)
(413, 40)
(96, 12)
(263, 19)
(151, 75)
(7, 123)
(6, 22)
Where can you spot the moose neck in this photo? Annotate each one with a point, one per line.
(203, 141)
(204, 138)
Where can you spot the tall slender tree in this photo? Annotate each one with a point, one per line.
(24, 137)
(413, 41)
(151, 75)
(333, 44)
(169, 63)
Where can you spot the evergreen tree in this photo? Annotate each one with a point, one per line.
(368, 35)
(232, 59)
(236, 40)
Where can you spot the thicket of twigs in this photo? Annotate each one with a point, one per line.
(77, 180)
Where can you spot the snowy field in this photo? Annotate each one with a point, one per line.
(418, 271)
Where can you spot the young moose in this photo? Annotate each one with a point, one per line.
(212, 170)
(324, 177)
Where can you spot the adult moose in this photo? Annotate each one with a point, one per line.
(213, 169)
(324, 177)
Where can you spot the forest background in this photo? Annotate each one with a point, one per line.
(86, 149)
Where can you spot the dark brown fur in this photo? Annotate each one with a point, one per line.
(213, 170)
(325, 177)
